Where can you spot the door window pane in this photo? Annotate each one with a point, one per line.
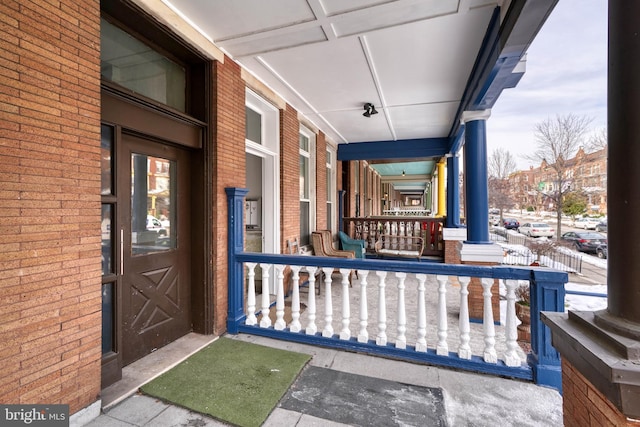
(153, 204)
(107, 318)
(107, 239)
(106, 159)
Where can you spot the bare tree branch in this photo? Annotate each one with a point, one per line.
(597, 141)
(558, 140)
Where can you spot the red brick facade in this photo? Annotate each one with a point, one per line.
(230, 170)
(321, 182)
(289, 175)
(583, 405)
(50, 286)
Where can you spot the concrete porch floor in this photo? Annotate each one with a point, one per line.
(468, 399)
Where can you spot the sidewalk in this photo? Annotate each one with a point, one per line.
(464, 399)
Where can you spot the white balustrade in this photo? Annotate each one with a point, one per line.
(421, 342)
(401, 340)
(279, 323)
(328, 305)
(381, 338)
(345, 333)
(442, 348)
(464, 350)
(425, 320)
(251, 294)
(265, 321)
(295, 325)
(363, 334)
(511, 357)
(490, 355)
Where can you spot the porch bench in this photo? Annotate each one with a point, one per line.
(393, 246)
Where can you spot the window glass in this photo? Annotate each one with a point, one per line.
(107, 318)
(304, 177)
(153, 204)
(130, 63)
(106, 159)
(253, 127)
(107, 239)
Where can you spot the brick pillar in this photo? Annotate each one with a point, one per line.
(321, 182)
(476, 300)
(584, 405)
(230, 170)
(289, 175)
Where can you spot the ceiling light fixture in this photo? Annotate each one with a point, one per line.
(402, 173)
(369, 109)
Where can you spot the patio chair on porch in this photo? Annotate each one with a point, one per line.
(293, 248)
(323, 246)
(355, 245)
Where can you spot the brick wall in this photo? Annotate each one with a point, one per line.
(583, 405)
(50, 284)
(321, 182)
(229, 170)
(289, 175)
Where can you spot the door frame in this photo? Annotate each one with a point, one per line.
(124, 111)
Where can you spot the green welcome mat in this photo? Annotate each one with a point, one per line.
(231, 380)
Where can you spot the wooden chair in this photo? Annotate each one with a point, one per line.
(293, 248)
(323, 246)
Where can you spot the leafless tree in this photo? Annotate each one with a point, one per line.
(558, 139)
(597, 141)
(501, 164)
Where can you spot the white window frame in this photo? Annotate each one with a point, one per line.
(311, 179)
(269, 151)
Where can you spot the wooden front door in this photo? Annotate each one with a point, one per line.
(154, 218)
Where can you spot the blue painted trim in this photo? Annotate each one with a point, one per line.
(385, 150)
(457, 141)
(475, 364)
(547, 294)
(586, 294)
(477, 187)
(235, 239)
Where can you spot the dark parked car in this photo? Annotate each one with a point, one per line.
(602, 226)
(602, 251)
(585, 241)
(510, 223)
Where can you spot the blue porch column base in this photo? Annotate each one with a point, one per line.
(547, 294)
(235, 238)
(546, 375)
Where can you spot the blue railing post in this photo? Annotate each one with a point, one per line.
(547, 294)
(235, 239)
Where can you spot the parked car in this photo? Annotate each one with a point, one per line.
(536, 229)
(586, 223)
(494, 220)
(510, 223)
(154, 224)
(585, 241)
(602, 251)
(602, 226)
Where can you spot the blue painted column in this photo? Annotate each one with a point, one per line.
(476, 177)
(235, 240)
(453, 192)
(546, 294)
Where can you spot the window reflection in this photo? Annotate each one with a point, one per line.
(107, 240)
(152, 204)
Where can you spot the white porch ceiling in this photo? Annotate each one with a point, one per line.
(413, 59)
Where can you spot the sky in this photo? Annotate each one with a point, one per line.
(566, 73)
